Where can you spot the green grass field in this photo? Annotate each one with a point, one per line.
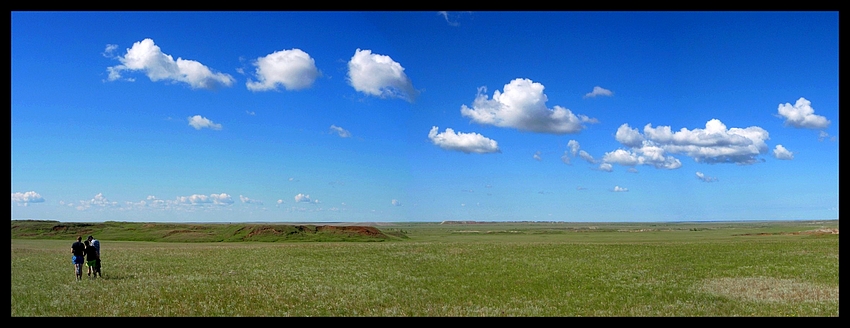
(492, 269)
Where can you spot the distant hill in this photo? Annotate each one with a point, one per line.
(200, 232)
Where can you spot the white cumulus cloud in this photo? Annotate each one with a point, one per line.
(599, 91)
(395, 202)
(340, 131)
(522, 106)
(221, 199)
(293, 69)
(198, 122)
(802, 115)
(646, 155)
(714, 144)
(302, 198)
(781, 153)
(99, 200)
(629, 136)
(195, 199)
(465, 142)
(24, 198)
(380, 76)
(619, 189)
(147, 57)
(198, 199)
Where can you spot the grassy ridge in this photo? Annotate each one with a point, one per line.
(184, 233)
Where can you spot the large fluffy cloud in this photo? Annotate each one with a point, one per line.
(198, 122)
(714, 144)
(379, 75)
(802, 115)
(522, 106)
(25, 198)
(294, 69)
(465, 142)
(147, 57)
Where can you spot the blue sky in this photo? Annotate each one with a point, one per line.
(424, 116)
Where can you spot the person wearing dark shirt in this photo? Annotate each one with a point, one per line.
(91, 259)
(96, 244)
(79, 251)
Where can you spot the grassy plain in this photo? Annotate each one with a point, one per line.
(487, 269)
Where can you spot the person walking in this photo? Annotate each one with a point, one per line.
(79, 251)
(91, 259)
(96, 244)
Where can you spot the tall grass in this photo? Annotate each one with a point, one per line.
(433, 278)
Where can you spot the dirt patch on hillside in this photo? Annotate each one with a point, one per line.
(308, 229)
(355, 230)
(764, 289)
(183, 232)
(279, 230)
(75, 229)
(819, 232)
(825, 231)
